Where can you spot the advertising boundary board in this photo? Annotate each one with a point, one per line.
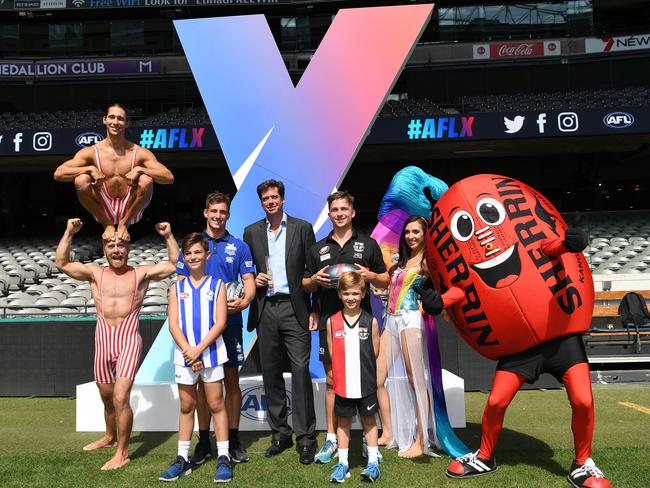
(164, 396)
(397, 130)
(60, 352)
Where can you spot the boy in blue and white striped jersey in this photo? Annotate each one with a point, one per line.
(197, 317)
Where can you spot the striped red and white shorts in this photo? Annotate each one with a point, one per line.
(117, 349)
(115, 208)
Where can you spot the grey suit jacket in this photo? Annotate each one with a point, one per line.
(300, 237)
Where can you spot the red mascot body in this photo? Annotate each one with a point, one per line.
(519, 290)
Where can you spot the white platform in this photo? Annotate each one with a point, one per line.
(155, 406)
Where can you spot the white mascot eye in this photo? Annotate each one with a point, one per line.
(462, 225)
(491, 211)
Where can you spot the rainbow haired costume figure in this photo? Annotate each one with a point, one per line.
(411, 192)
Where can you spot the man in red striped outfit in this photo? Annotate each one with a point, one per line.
(114, 178)
(118, 291)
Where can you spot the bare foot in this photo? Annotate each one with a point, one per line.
(122, 233)
(101, 443)
(109, 233)
(412, 452)
(384, 440)
(116, 462)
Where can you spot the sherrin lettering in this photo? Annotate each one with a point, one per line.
(488, 250)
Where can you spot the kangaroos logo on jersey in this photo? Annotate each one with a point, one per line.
(230, 249)
(254, 404)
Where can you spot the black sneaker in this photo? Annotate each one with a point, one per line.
(238, 454)
(202, 452)
(587, 475)
(471, 465)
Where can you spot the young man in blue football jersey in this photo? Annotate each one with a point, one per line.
(197, 317)
(230, 260)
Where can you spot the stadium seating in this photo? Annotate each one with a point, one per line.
(30, 284)
(566, 100)
(84, 119)
(399, 106)
(619, 243)
(395, 106)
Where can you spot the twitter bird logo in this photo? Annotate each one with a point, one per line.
(515, 125)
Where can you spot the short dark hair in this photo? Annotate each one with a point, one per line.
(194, 238)
(118, 105)
(340, 195)
(217, 197)
(351, 279)
(265, 185)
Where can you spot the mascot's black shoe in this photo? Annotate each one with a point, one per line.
(471, 465)
(587, 475)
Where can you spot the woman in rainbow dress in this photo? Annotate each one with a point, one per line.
(412, 388)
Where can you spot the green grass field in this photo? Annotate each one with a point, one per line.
(41, 448)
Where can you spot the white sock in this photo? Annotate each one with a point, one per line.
(373, 454)
(343, 456)
(222, 448)
(331, 437)
(184, 449)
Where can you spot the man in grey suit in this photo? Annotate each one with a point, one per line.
(280, 313)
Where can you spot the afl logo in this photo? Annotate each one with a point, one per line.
(254, 404)
(618, 120)
(88, 139)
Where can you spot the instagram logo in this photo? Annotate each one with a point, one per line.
(42, 141)
(567, 121)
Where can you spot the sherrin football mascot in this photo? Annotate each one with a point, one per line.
(517, 288)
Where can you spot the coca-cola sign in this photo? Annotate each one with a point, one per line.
(514, 50)
(517, 49)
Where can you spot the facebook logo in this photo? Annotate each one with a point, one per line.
(18, 139)
(541, 122)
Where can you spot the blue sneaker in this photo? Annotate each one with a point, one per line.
(223, 474)
(340, 474)
(178, 468)
(328, 452)
(371, 473)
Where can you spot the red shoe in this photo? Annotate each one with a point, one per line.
(587, 475)
(471, 465)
